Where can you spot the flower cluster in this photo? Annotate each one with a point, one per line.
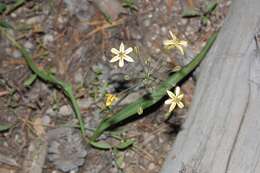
(122, 55)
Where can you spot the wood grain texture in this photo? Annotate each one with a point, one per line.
(222, 132)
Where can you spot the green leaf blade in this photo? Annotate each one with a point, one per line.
(101, 145)
(125, 144)
(190, 13)
(4, 127)
(28, 82)
(211, 7)
(2, 8)
(5, 24)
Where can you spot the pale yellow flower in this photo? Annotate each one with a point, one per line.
(175, 99)
(110, 99)
(175, 42)
(121, 55)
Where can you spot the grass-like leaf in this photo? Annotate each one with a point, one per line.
(211, 7)
(154, 97)
(101, 145)
(49, 78)
(16, 5)
(5, 24)
(189, 13)
(125, 144)
(2, 7)
(4, 127)
(28, 82)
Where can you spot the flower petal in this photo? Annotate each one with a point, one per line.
(167, 42)
(122, 47)
(115, 58)
(172, 35)
(127, 51)
(177, 91)
(173, 105)
(171, 94)
(121, 62)
(180, 104)
(128, 58)
(115, 51)
(180, 48)
(180, 97)
(183, 43)
(168, 101)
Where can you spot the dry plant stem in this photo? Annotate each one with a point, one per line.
(49, 78)
(105, 26)
(3, 93)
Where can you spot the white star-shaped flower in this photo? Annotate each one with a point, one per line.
(175, 99)
(121, 55)
(175, 42)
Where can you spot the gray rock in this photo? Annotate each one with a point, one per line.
(65, 110)
(66, 150)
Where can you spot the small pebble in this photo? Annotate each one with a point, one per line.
(17, 54)
(47, 39)
(46, 120)
(60, 19)
(28, 45)
(13, 15)
(65, 110)
(151, 166)
(147, 22)
(164, 30)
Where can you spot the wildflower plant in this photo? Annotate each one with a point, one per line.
(138, 106)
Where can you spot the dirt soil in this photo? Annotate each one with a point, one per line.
(72, 39)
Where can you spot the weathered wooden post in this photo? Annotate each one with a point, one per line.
(222, 132)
